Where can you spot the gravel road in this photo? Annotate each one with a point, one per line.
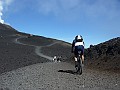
(57, 76)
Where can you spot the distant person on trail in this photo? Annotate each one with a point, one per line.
(78, 45)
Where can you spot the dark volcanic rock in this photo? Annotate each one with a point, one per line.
(104, 56)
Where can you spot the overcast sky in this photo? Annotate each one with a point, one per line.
(96, 20)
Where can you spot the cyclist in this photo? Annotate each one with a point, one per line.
(78, 45)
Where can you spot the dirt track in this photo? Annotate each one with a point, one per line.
(37, 48)
(57, 76)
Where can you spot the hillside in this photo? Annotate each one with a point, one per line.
(104, 56)
(6, 30)
(14, 56)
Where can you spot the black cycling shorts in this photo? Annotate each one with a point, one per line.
(79, 48)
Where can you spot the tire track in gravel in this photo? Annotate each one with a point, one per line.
(37, 48)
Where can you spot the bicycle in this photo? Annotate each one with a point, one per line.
(78, 66)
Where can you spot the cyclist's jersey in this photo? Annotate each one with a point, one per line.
(75, 43)
(79, 43)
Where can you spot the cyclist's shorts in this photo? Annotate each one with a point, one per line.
(79, 48)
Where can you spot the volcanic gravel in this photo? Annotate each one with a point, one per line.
(60, 49)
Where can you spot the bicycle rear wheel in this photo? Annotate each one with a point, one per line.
(79, 66)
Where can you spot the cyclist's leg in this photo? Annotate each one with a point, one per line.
(75, 55)
(82, 59)
(82, 54)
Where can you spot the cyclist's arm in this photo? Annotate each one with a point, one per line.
(73, 44)
(83, 43)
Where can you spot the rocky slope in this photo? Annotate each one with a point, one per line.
(104, 56)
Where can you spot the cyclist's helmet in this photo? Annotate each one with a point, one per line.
(79, 38)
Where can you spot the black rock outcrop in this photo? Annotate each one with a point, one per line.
(105, 55)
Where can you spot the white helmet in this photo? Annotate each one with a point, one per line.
(78, 37)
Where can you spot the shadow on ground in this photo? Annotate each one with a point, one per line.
(68, 71)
